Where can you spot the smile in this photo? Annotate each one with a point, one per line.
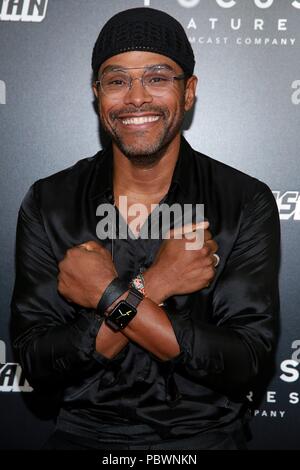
(140, 120)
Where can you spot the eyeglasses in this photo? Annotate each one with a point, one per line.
(157, 79)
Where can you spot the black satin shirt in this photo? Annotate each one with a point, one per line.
(226, 332)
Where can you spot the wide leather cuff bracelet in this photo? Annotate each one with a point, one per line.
(113, 291)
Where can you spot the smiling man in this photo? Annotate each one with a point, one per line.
(143, 120)
(146, 344)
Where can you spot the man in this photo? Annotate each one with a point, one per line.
(168, 368)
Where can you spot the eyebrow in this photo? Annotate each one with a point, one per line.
(112, 67)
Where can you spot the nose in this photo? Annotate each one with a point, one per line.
(137, 94)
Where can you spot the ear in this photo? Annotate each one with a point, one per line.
(190, 92)
(95, 90)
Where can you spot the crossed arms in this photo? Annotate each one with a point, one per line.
(55, 339)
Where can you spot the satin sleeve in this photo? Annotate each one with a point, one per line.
(234, 347)
(54, 339)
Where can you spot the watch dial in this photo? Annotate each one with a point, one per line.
(123, 312)
(121, 315)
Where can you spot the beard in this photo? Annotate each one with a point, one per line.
(145, 151)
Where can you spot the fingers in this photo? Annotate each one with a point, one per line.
(91, 246)
(84, 246)
(208, 254)
(213, 261)
(210, 273)
(76, 251)
(212, 245)
(178, 232)
(204, 224)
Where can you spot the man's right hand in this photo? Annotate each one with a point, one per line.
(84, 273)
(178, 270)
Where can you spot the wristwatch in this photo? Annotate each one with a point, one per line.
(115, 289)
(124, 311)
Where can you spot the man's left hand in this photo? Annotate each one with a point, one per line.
(84, 273)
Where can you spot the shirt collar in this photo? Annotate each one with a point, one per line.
(102, 183)
(182, 175)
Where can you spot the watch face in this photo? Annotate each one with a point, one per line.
(121, 315)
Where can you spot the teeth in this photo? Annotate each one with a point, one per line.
(140, 120)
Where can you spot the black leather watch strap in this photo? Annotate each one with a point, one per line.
(134, 297)
(115, 289)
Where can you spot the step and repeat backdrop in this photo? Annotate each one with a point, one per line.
(247, 115)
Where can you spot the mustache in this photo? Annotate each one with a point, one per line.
(143, 109)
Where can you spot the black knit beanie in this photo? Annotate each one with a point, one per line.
(144, 29)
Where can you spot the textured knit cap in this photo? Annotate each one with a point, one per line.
(144, 29)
